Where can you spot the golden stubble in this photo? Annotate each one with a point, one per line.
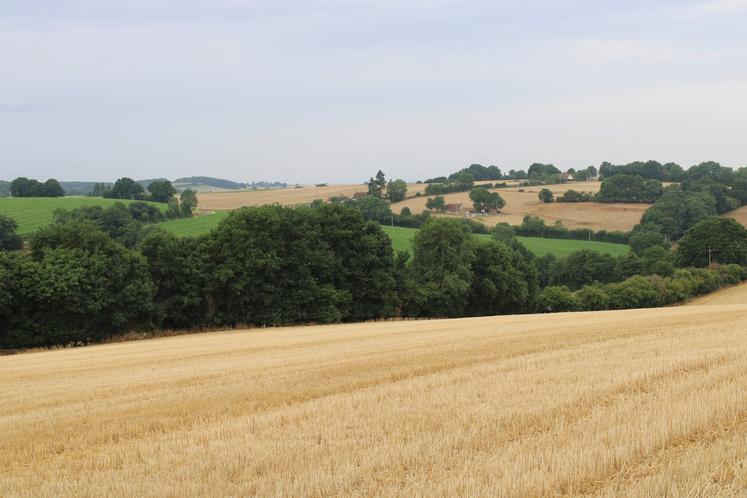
(618, 403)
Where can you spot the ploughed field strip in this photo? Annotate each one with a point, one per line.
(618, 403)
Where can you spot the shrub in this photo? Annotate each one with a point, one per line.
(635, 292)
(546, 195)
(557, 298)
(592, 298)
(643, 239)
(503, 232)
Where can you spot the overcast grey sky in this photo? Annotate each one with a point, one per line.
(332, 90)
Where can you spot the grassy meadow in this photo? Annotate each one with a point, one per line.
(192, 227)
(633, 403)
(402, 237)
(402, 241)
(33, 213)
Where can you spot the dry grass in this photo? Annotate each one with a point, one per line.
(573, 215)
(624, 403)
(731, 295)
(739, 214)
(291, 196)
(597, 216)
(223, 201)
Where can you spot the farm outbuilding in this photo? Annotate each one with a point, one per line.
(454, 208)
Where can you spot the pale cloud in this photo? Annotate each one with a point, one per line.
(328, 90)
(715, 8)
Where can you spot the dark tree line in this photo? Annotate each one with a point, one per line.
(653, 170)
(461, 183)
(86, 277)
(640, 291)
(629, 188)
(99, 272)
(478, 172)
(25, 187)
(262, 266)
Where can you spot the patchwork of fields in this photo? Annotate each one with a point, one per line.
(525, 201)
(634, 403)
(520, 202)
(34, 213)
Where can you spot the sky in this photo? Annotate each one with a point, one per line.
(331, 90)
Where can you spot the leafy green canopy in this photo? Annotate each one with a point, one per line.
(273, 265)
(453, 274)
(161, 190)
(77, 285)
(629, 188)
(713, 240)
(9, 240)
(485, 200)
(24, 187)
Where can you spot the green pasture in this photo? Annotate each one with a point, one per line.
(33, 213)
(402, 241)
(192, 227)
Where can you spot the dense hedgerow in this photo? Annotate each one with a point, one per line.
(98, 273)
(642, 291)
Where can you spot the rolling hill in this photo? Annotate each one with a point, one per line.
(32, 213)
(633, 403)
(206, 184)
(520, 202)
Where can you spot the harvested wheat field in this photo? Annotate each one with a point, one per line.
(620, 403)
(738, 214)
(594, 215)
(291, 196)
(731, 295)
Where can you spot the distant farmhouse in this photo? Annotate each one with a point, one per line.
(454, 208)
